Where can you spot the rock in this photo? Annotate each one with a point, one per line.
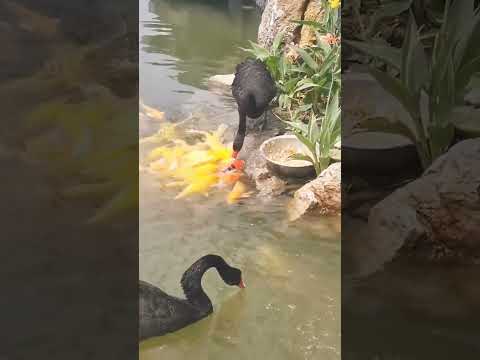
(277, 17)
(473, 97)
(465, 120)
(261, 4)
(267, 184)
(322, 195)
(222, 80)
(437, 216)
(221, 84)
(314, 12)
(256, 167)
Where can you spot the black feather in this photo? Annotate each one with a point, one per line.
(160, 313)
(253, 88)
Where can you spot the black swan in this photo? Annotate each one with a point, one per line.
(253, 88)
(160, 313)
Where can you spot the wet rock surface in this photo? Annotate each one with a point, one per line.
(221, 84)
(322, 195)
(437, 216)
(267, 184)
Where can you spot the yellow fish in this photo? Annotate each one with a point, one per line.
(239, 191)
(197, 157)
(198, 167)
(196, 173)
(152, 112)
(201, 186)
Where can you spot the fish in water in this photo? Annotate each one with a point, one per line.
(238, 192)
(198, 167)
(200, 186)
(151, 112)
(230, 178)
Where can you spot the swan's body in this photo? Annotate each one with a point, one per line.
(161, 313)
(253, 88)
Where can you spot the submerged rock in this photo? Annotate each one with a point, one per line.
(437, 216)
(322, 195)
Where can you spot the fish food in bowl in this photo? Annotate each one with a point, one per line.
(278, 152)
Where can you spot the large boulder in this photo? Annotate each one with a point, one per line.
(277, 17)
(438, 215)
(313, 12)
(322, 195)
(261, 4)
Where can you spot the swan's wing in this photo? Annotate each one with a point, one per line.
(160, 313)
(253, 78)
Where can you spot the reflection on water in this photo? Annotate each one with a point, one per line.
(290, 309)
(203, 36)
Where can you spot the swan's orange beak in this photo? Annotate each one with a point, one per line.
(242, 285)
(236, 165)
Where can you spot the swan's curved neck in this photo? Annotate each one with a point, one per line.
(192, 281)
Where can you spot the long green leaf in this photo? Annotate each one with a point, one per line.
(306, 86)
(388, 54)
(465, 74)
(297, 126)
(314, 24)
(301, 157)
(307, 58)
(395, 88)
(277, 42)
(388, 10)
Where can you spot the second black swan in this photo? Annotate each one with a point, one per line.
(253, 88)
(160, 313)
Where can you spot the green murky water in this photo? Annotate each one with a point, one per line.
(291, 307)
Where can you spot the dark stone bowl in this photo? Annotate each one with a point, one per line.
(374, 159)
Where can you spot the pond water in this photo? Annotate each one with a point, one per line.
(406, 308)
(291, 307)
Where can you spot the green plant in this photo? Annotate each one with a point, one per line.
(304, 85)
(309, 87)
(429, 89)
(320, 138)
(272, 58)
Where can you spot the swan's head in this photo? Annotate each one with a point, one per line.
(233, 277)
